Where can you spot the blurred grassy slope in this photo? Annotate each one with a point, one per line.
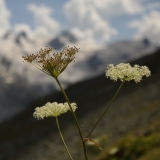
(23, 131)
(144, 145)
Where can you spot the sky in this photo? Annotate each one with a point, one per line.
(98, 21)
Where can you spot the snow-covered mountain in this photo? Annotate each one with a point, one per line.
(61, 40)
(96, 62)
(21, 82)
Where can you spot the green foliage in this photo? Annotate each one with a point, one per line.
(153, 154)
(134, 148)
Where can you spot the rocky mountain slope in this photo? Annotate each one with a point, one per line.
(137, 105)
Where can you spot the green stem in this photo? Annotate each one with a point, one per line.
(75, 118)
(106, 108)
(63, 139)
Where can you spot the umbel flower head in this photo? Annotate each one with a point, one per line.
(125, 72)
(52, 63)
(53, 110)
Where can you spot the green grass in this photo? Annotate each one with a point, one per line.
(139, 147)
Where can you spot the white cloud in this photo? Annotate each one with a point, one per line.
(45, 27)
(148, 26)
(90, 19)
(4, 17)
(86, 22)
(118, 7)
(124, 7)
(23, 27)
(44, 23)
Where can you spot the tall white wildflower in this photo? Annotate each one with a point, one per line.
(125, 72)
(53, 110)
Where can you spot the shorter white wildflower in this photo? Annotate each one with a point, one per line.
(125, 72)
(53, 110)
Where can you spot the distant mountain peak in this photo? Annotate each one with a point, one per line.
(62, 39)
(20, 35)
(69, 36)
(7, 35)
(146, 42)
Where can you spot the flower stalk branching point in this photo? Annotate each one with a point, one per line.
(92, 142)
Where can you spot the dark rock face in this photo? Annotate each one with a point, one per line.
(94, 62)
(69, 36)
(58, 41)
(7, 34)
(5, 62)
(19, 36)
(146, 42)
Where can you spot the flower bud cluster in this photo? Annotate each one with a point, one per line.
(125, 72)
(52, 63)
(53, 110)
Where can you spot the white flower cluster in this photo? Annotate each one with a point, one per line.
(125, 72)
(53, 110)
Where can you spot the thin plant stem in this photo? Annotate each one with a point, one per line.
(63, 139)
(106, 108)
(75, 118)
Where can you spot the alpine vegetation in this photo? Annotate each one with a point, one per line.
(54, 63)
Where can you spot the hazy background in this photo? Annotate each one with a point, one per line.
(25, 26)
(106, 31)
